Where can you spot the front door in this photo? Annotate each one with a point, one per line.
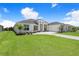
(45, 27)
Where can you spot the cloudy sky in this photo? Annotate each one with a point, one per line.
(10, 13)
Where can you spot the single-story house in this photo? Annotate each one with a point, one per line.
(1, 28)
(32, 25)
(39, 25)
(58, 27)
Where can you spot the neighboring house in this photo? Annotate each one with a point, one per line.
(1, 28)
(58, 27)
(32, 25)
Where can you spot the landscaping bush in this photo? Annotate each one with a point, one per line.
(8, 29)
(74, 29)
(18, 29)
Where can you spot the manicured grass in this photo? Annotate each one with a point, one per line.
(71, 33)
(36, 45)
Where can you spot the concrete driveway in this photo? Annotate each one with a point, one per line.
(59, 35)
(50, 33)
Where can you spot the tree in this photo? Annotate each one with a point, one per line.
(61, 28)
(10, 28)
(18, 29)
(74, 29)
(6, 29)
(19, 26)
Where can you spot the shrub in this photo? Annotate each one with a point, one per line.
(19, 26)
(74, 29)
(19, 29)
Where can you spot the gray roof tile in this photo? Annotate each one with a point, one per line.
(31, 21)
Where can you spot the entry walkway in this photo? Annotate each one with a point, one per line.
(60, 35)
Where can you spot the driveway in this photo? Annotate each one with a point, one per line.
(50, 33)
(59, 35)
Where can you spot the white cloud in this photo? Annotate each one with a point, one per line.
(72, 18)
(29, 13)
(7, 23)
(54, 5)
(74, 14)
(40, 17)
(5, 10)
(72, 22)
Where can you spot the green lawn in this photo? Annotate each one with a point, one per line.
(36, 45)
(71, 33)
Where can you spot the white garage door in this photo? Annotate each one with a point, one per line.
(53, 28)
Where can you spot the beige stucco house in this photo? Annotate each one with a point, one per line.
(58, 27)
(39, 25)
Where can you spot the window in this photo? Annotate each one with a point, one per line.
(35, 27)
(26, 27)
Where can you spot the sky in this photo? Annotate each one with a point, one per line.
(67, 13)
